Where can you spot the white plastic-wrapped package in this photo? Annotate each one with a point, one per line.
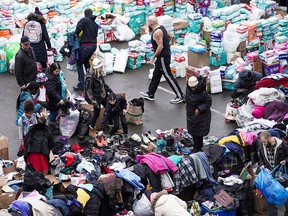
(121, 59)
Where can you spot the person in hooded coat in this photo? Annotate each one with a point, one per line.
(164, 204)
(246, 82)
(198, 113)
(40, 47)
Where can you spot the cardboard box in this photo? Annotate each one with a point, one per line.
(62, 187)
(7, 194)
(242, 46)
(269, 69)
(4, 153)
(206, 37)
(6, 199)
(197, 60)
(257, 65)
(90, 109)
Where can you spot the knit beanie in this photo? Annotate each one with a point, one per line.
(37, 11)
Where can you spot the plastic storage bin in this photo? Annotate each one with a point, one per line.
(218, 212)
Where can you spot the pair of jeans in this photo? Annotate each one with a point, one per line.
(53, 115)
(162, 67)
(273, 211)
(84, 56)
(116, 118)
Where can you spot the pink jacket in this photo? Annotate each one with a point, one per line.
(157, 163)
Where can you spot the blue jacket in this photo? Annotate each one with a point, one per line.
(131, 178)
(25, 95)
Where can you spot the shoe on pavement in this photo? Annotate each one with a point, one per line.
(150, 136)
(145, 139)
(76, 88)
(176, 100)
(145, 95)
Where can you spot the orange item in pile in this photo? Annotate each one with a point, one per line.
(51, 14)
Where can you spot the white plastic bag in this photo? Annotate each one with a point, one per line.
(121, 59)
(12, 65)
(142, 206)
(166, 181)
(68, 123)
(123, 33)
(215, 81)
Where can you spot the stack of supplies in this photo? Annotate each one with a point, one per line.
(134, 56)
(217, 53)
(195, 21)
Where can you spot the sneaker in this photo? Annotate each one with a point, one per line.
(150, 136)
(176, 100)
(76, 88)
(145, 95)
(145, 139)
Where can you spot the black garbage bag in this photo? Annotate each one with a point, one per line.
(83, 125)
(34, 180)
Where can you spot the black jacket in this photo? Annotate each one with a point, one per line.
(93, 88)
(38, 140)
(89, 28)
(53, 91)
(280, 155)
(117, 108)
(25, 66)
(201, 100)
(244, 83)
(40, 48)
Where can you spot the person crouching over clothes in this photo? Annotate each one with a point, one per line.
(116, 109)
(164, 204)
(38, 142)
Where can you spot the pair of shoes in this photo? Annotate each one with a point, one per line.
(145, 138)
(76, 88)
(150, 136)
(145, 95)
(100, 140)
(176, 100)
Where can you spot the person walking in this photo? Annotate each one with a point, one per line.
(25, 63)
(271, 152)
(198, 113)
(36, 30)
(88, 29)
(162, 54)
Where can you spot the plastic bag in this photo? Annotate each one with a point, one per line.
(11, 50)
(124, 33)
(68, 123)
(142, 206)
(272, 190)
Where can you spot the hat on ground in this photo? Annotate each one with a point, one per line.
(97, 63)
(193, 81)
(37, 11)
(112, 96)
(41, 78)
(32, 85)
(25, 40)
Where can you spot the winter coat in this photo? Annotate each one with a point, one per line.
(38, 140)
(89, 28)
(166, 204)
(201, 100)
(96, 90)
(25, 66)
(157, 163)
(275, 111)
(243, 83)
(53, 91)
(281, 153)
(117, 108)
(25, 95)
(40, 48)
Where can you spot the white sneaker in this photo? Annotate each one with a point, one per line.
(145, 139)
(176, 100)
(146, 96)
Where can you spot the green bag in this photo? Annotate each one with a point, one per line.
(11, 50)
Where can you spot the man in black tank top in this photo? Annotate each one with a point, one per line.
(162, 54)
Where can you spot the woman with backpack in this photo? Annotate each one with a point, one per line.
(35, 29)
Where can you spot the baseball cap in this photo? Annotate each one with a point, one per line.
(25, 40)
(112, 96)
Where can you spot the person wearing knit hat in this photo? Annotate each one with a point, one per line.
(164, 204)
(198, 113)
(37, 11)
